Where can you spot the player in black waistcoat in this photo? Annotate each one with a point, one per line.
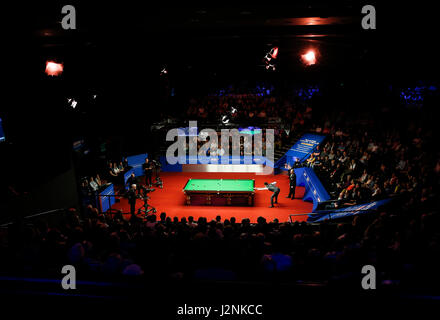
(292, 184)
(271, 187)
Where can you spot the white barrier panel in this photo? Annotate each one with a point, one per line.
(254, 168)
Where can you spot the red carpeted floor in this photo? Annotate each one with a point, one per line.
(171, 199)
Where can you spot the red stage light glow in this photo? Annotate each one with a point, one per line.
(274, 52)
(309, 58)
(53, 68)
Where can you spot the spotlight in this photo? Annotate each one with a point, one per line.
(72, 102)
(274, 52)
(53, 68)
(309, 58)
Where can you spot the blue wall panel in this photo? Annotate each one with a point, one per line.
(136, 162)
(107, 202)
(314, 190)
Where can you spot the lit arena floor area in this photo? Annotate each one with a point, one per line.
(171, 199)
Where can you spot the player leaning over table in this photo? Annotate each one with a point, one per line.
(271, 187)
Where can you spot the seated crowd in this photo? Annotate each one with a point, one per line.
(403, 244)
(357, 166)
(115, 171)
(252, 105)
(249, 147)
(90, 186)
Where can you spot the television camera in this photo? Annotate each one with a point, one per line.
(146, 208)
(158, 182)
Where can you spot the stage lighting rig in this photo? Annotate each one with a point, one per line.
(270, 59)
(271, 67)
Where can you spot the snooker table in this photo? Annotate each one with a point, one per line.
(219, 192)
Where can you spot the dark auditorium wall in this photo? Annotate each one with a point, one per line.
(58, 192)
